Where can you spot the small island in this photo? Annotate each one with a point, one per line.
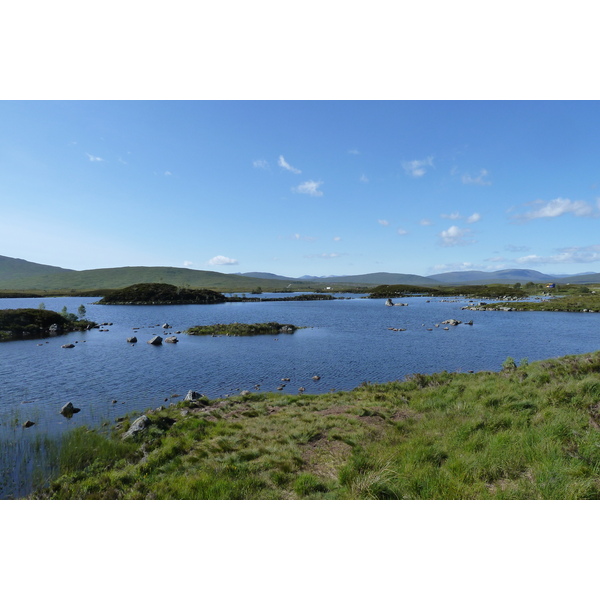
(239, 329)
(19, 323)
(161, 293)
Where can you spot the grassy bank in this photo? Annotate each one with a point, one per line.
(567, 303)
(527, 432)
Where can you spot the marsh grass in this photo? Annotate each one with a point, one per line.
(527, 432)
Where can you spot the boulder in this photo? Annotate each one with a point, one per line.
(453, 322)
(132, 340)
(156, 340)
(28, 424)
(172, 340)
(68, 346)
(166, 326)
(137, 426)
(68, 410)
(191, 395)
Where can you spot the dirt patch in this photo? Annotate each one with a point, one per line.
(324, 457)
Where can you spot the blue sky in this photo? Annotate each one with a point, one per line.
(302, 187)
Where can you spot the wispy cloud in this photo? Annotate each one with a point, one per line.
(326, 255)
(353, 151)
(455, 236)
(187, 263)
(479, 180)
(222, 260)
(309, 187)
(94, 158)
(402, 232)
(383, 222)
(303, 238)
(364, 178)
(556, 208)
(337, 238)
(474, 218)
(417, 168)
(168, 173)
(260, 164)
(453, 216)
(284, 165)
(513, 248)
(582, 254)
(425, 222)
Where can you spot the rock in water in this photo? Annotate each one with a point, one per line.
(28, 424)
(132, 340)
(68, 346)
(172, 339)
(138, 425)
(156, 340)
(191, 395)
(68, 410)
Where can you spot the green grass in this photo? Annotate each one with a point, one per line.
(573, 302)
(527, 432)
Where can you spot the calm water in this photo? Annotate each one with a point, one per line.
(346, 343)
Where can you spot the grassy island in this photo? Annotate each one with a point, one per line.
(239, 329)
(18, 323)
(530, 431)
(161, 293)
(470, 291)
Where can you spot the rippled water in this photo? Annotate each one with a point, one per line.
(346, 342)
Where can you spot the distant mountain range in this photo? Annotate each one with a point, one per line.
(19, 274)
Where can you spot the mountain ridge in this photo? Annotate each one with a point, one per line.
(19, 274)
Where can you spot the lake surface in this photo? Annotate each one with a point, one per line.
(346, 342)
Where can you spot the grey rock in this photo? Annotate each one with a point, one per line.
(172, 340)
(191, 395)
(68, 346)
(28, 424)
(132, 340)
(156, 340)
(137, 426)
(68, 410)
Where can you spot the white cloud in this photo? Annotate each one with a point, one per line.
(364, 178)
(260, 164)
(556, 208)
(284, 165)
(354, 151)
(474, 218)
(453, 216)
(479, 180)
(222, 260)
(167, 173)
(402, 232)
(417, 168)
(450, 267)
(94, 158)
(383, 222)
(309, 187)
(425, 222)
(454, 236)
(337, 238)
(187, 263)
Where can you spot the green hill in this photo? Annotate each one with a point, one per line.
(13, 269)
